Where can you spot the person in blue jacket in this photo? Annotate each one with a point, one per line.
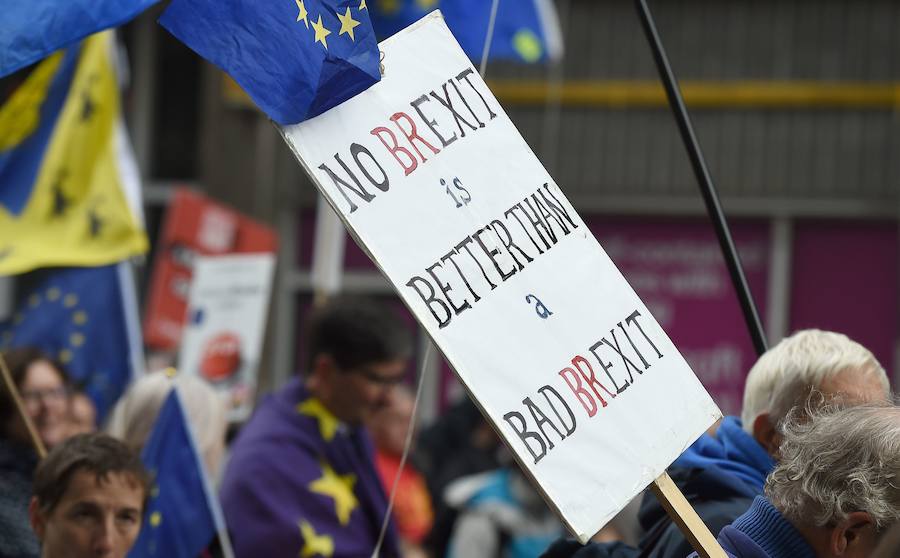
(833, 493)
(722, 472)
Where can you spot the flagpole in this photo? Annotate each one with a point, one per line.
(707, 189)
(17, 399)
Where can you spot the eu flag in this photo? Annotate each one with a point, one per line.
(81, 317)
(524, 30)
(33, 29)
(65, 198)
(182, 515)
(295, 58)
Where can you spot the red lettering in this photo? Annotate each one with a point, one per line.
(591, 379)
(412, 134)
(395, 148)
(582, 394)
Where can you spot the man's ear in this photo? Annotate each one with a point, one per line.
(36, 516)
(766, 434)
(319, 378)
(850, 533)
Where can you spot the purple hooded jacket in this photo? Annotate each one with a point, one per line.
(297, 484)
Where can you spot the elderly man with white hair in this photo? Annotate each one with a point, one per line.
(722, 473)
(834, 491)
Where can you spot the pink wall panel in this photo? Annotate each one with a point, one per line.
(845, 278)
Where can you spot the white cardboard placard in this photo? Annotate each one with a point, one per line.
(435, 182)
(223, 332)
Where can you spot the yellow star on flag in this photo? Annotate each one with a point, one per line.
(340, 489)
(313, 543)
(303, 13)
(328, 423)
(362, 5)
(347, 24)
(321, 32)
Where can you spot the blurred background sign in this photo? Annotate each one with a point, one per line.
(195, 226)
(222, 340)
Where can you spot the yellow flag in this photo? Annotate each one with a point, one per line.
(63, 166)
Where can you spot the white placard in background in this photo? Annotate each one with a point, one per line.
(437, 185)
(226, 319)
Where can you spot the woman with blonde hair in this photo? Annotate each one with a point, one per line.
(136, 412)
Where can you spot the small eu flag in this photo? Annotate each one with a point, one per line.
(295, 58)
(182, 515)
(524, 30)
(33, 29)
(80, 316)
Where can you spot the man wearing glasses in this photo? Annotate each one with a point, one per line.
(301, 479)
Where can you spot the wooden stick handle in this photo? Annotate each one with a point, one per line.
(681, 512)
(32, 432)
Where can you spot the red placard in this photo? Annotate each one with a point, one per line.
(195, 224)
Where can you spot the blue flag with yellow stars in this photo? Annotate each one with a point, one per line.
(182, 516)
(33, 29)
(295, 58)
(63, 161)
(524, 30)
(80, 317)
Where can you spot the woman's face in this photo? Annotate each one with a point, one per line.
(46, 401)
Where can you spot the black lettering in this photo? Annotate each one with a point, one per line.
(633, 318)
(536, 222)
(557, 207)
(449, 257)
(629, 366)
(431, 300)
(465, 244)
(570, 429)
(448, 104)
(545, 216)
(524, 434)
(510, 211)
(606, 366)
(464, 75)
(491, 254)
(356, 150)
(445, 289)
(541, 419)
(432, 124)
(630, 342)
(342, 184)
(508, 243)
(554, 215)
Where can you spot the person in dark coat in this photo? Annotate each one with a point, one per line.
(44, 388)
(722, 473)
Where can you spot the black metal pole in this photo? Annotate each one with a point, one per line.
(707, 189)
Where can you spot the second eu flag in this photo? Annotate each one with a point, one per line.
(182, 515)
(295, 58)
(77, 315)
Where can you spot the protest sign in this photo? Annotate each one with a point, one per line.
(195, 225)
(436, 184)
(226, 319)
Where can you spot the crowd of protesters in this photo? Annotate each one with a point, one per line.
(809, 469)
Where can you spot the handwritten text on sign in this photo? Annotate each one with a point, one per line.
(434, 181)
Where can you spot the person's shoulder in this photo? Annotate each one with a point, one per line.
(740, 545)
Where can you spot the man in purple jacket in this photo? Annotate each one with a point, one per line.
(833, 493)
(301, 479)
